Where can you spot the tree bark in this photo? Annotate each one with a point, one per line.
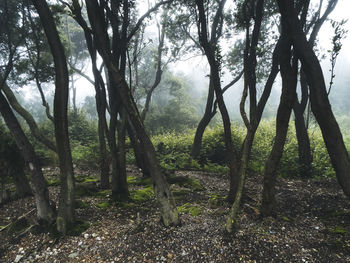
(204, 122)
(66, 202)
(45, 212)
(320, 105)
(288, 70)
(209, 49)
(169, 211)
(21, 182)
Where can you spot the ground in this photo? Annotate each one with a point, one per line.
(312, 225)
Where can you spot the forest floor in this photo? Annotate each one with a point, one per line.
(313, 224)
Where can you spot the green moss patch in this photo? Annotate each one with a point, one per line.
(104, 193)
(103, 205)
(77, 228)
(142, 195)
(216, 200)
(86, 189)
(79, 204)
(184, 181)
(54, 182)
(133, 180)
(86, 179)
(191, 209)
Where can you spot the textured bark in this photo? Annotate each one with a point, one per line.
(209, 113)
(45, 212)
(320, 105)
(21, 182)
(168, 208)
(289, 82)
(209, 49)
(100, 97)
(304, 149)
(66, 200)
(28, 118)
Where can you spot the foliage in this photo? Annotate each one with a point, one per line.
(188, 208)
(10, 155)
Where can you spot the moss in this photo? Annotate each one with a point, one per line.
(104, 193)
(133, 180)
(126, 204)
(54, 182)
(185, 182)
(142, 195)
(339, 230)
(79, 204)
(77, 228)
(216, 200)
(86, 179)
(188, 208)
(103, 205)
(287, 219)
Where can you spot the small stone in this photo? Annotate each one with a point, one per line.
(73, 255)
(94, 235)
(86, 236)
(98, 238)
(317, 227)
(184, 253)
(18, 258)
(80, 243)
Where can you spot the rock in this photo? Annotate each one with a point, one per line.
(86, 236)
(94, 235)
(73, 255)
(18, 258)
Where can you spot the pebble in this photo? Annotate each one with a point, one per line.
(18, 258)
(86, 236)
(73, 255)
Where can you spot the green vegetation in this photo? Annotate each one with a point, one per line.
(142, 195)
(103, 205)
(191, 209)
(77, 228)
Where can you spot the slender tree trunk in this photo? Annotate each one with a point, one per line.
(169, 211)
(21, 182)
(243, 169)
(45, 212)
(66, 203)
(289, 82)
(304, 149)
(320, 105)
(204, 122)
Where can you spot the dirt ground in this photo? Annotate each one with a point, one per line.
(313, 225)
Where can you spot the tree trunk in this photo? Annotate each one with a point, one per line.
(304, 149)
(289, 82)
(120, 189)
(204, 122)
(243, 169)
(320, 105)
(66, 202)
(45, 212)
(169, 211)
(21, 182)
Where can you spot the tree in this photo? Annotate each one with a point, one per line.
(99, 28)
(320, 105)
(10, 41)
(256, 107)
(66, 204)
(212, 52)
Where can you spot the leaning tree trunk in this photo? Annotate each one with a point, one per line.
(320, 105)
(21, 182)
(289, 81)
(204, 122)
(66, 202)
(45, 212)
(169, 211)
